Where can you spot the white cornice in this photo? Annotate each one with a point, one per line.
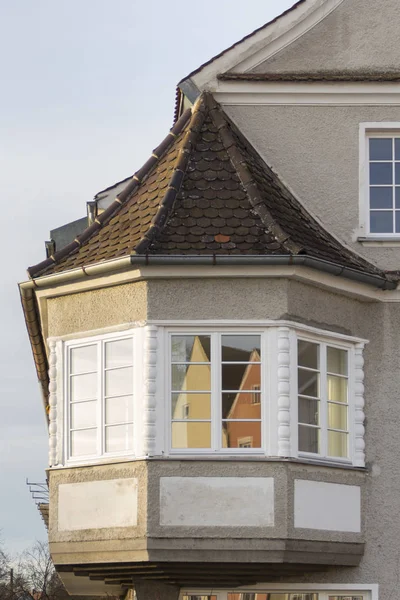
(268, 41)
(242, 93)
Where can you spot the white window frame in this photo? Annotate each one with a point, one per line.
(216, 415)
(366, 132)
(368, 591)
(324, 343)
(100, 455)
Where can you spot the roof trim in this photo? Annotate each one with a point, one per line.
(317, 76)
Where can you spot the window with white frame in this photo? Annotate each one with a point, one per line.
(99, 389)
(276, 594)
(215, 391)
(323, 399)
(383, 183)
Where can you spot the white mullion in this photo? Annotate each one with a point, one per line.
(323, 398)
(394, 186)
(67, 428)
(216, 392)
(101, 375)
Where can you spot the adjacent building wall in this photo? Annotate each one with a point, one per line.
(315, 150)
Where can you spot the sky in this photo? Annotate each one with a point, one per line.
(87, 91)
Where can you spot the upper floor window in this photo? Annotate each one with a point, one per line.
(99, 397)
(384, 184)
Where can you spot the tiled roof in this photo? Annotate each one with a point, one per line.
(205, 190)
(317, 76)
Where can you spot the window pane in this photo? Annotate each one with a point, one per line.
(338, 444)
(397, 221)
(119, 438)
(337, 416)
(191, 348)
(191, 435)
(241, 348)
(119, 410)
(397, 173)
(337, 389)
(83, 387)
(337, 361)
(191, 377)
(192, 597)
(308, 383)
(237, 434)
(191, 406)
(398, 197)
(119, 382)
(381, 148)
(241, 405)
(381, 197)
(83, 360)
(308, 411)
(381, 173)
(84, 443)
(236, 377)
(381, 222)
(309, 439)
(83, 415)
(119, 353)
(308, 355)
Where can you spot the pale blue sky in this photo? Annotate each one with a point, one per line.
(88, 89)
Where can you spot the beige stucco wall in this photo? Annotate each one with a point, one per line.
(96, 309)
(359, 34)
(322, 166)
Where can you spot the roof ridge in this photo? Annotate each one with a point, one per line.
(120, 200)
(246, 178)
(167, 203)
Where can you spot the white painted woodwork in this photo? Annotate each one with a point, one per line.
(97, 504)
(359, 403)
(217, 501)
(327, 506)
(149, 390)
(283, 351)
(52, 403)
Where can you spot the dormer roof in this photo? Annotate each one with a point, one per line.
(204, 191)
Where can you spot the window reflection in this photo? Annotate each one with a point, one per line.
(273, 596)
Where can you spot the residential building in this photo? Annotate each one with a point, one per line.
(218, 346)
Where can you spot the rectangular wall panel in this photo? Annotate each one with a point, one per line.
(327, 506)
(217, 501)
(97, 504)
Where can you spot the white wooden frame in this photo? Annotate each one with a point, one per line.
(367, 131)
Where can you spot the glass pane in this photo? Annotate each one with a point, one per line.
(196, 597)
(241, 348)
(381, 197)
(119, 382)
(397, 194)
(83, 360)
(119, 438)
(191, 348)
(397, 221)
(241, 405)
(119, 353)
(191, 435)
(345, 597)
(337, 389)
(119, 410)
(191, 406)
(381, 173)
(83, 415)
(337, 416)
(337, 361)
(308, 355)
(191, 377)
(309, 439)
(83, 387)
(241, 434)
(84, 443)
(381, 149)
(381, 222)
(338, 444)
(397, 173)
(308, 411)
(236, 377)
(308, 383)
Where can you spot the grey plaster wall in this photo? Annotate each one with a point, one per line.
(359, 34)
(217, 298)
(315, 150)
(95, 309)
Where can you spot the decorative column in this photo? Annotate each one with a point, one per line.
(284, 445)
(359, 403)
(149, 389)
(53, 404)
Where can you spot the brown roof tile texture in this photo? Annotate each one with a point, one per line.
(206, 192)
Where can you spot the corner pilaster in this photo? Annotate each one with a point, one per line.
(284, 441)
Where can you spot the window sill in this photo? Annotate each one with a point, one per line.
(389, 242)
